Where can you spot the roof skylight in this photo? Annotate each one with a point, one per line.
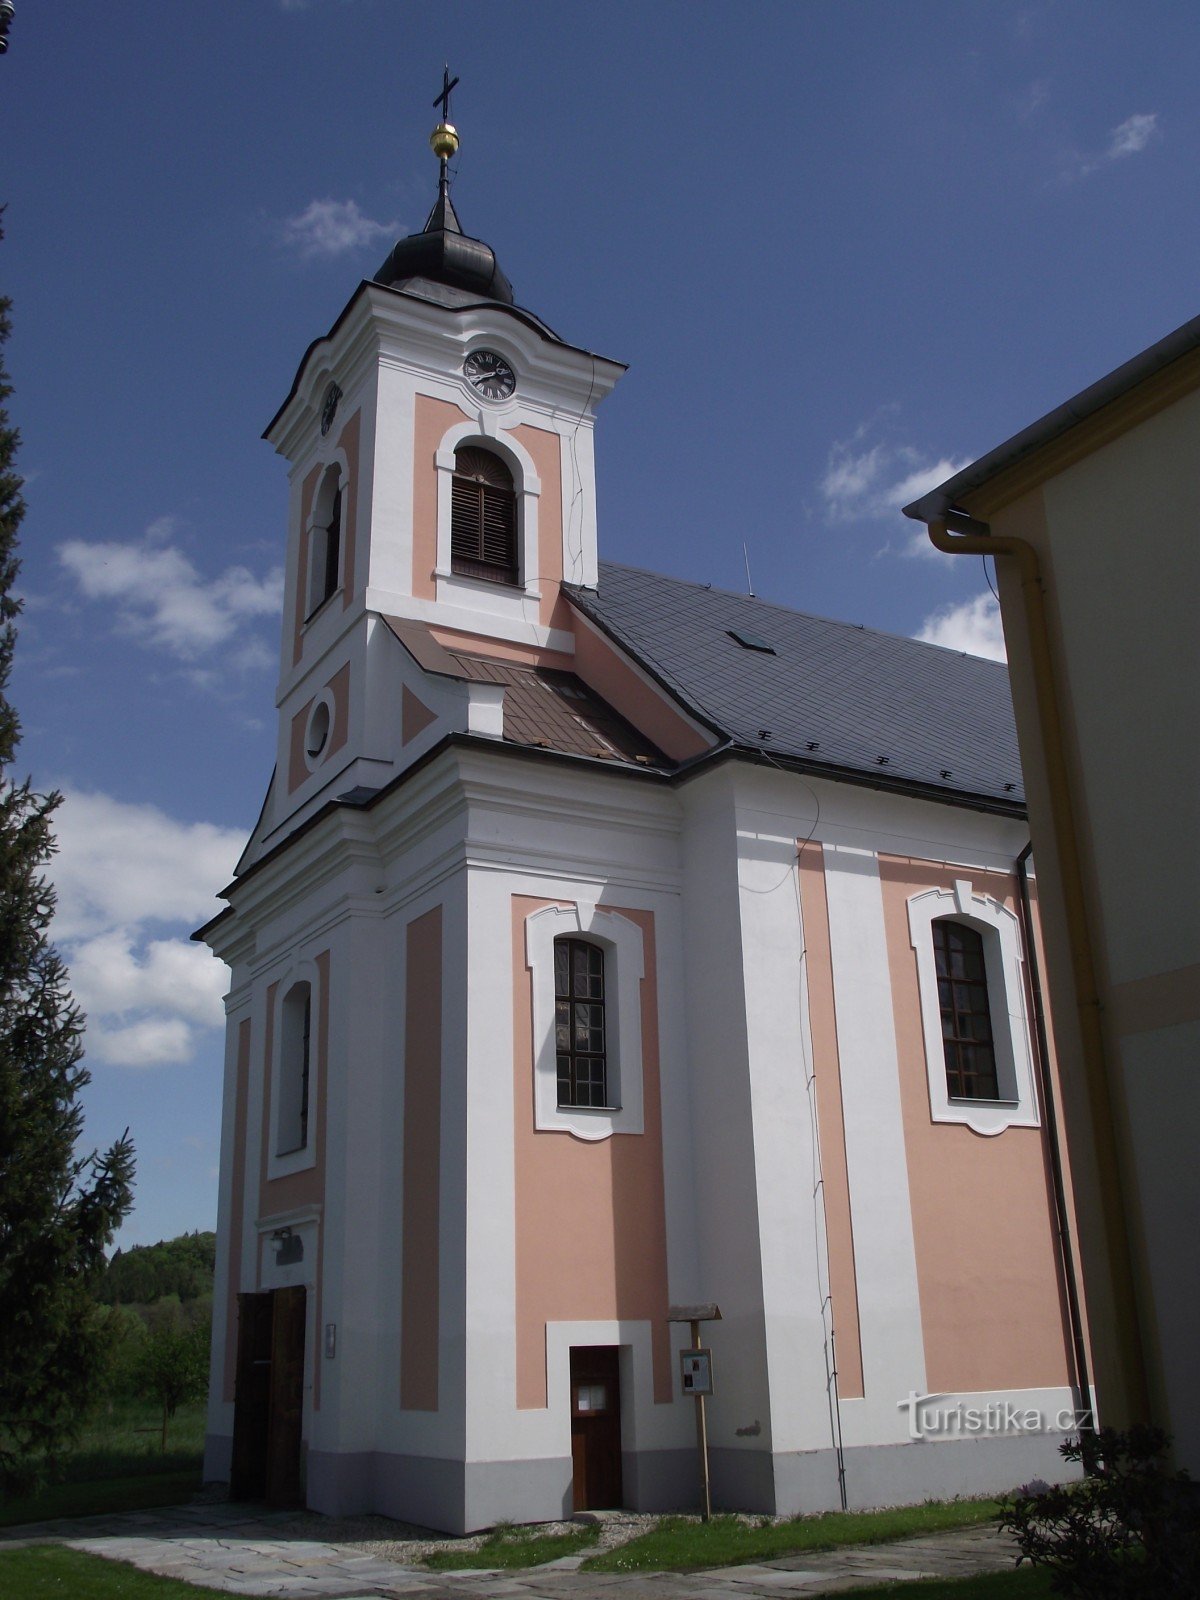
(751, 641)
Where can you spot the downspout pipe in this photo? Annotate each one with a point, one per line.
(955, 534)
(1062, 1214)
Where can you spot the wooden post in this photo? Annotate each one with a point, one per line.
(702, 1436)
(694, 1315)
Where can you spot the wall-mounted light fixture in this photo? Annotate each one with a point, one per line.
(289, 1247)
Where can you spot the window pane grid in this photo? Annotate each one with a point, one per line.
(966, 1014)
(579, 1023)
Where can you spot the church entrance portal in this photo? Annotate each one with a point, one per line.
(595, 1428)
(268, 1406)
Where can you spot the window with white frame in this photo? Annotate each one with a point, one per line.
(318, 728)
(586, 967)
(325, 541)
(963, 999)
(579, 1023)
(483, 517)
(487, 519)
(974, 1017)
(295, 1056)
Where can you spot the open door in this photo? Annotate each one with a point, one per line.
(595, 1428)
(268, 1406)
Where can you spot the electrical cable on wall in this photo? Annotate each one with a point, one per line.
(576, 554)
(821, 1211)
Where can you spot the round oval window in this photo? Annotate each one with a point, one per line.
(317, 736)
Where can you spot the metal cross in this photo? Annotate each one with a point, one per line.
(443, 99)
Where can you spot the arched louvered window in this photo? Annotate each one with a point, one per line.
(483, 517)
(966, 1012)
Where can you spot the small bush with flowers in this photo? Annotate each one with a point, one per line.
(1129, 1528)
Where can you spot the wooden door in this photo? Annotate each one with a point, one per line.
(251, 1398)
(268, 1404)
(595, 1428)
(286, 1423)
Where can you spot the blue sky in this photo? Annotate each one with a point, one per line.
(845, 248)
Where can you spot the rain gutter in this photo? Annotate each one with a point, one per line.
(1084, 1412)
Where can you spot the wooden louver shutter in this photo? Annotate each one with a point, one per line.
(483, 518)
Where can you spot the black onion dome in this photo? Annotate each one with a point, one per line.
(443, 253)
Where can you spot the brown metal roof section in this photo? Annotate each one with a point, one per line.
(543, 709)
(429, 654)
(551, 710)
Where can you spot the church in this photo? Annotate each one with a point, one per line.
(617, 965)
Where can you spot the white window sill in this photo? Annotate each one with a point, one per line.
(317, 610)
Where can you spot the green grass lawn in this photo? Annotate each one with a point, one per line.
(678, 1544)
(51, 1572)
(515, 1547)
(118, 1465)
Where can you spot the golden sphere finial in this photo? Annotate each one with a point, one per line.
(443, 141)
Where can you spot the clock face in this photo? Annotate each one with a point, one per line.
(490, 374)
(329, 409)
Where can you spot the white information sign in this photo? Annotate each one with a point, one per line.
(695, 1371)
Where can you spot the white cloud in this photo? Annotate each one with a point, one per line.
(870, 482)
(1128, 138)
(850, 478)
(108, 978)
(152, 1042)
(122, 872)
(1132, 135)
(161, 599)
(162, 529)
(120, 864)
(973, 626)
(331, 227)
(1031, 101)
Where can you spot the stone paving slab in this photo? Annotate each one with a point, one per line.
(249, 1552)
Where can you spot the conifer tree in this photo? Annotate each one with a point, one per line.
(57, 1211)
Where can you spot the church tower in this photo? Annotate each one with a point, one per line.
(442, 509)
(439, 441)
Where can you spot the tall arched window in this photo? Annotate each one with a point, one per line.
(325, 547)
(483, 517)
(966, 1013)
(579, 1023)
(296, 1023)
(333, 544)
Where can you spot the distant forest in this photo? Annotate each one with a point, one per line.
(181, 1268)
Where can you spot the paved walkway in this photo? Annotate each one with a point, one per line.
(247, 1551)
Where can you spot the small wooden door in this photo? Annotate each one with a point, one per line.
(251, 1398)
(268, 1406)
(595, 1428)
(287, 1398)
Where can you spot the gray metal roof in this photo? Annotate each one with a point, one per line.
(443, 254)
(937, 502)
(834, 696)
